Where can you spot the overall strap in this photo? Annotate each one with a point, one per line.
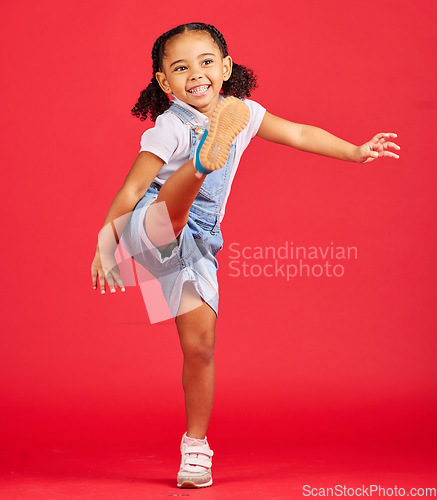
(188, 118)
(183, 114)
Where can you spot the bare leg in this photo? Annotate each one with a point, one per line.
(197, 337)
(165, 221)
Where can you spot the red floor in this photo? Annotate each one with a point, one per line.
(265, 472)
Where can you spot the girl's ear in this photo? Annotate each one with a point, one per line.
(227, 68)
(163, 83)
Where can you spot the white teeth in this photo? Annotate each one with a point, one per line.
(199, 90)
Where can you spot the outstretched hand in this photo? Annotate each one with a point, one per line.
(376, 148)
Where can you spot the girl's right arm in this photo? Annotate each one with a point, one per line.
(143, 171)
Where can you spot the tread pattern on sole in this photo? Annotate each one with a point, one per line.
(230, 117)
(189, 484)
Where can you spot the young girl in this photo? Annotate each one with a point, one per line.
(174, 198)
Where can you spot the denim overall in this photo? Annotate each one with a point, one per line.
(192, 256)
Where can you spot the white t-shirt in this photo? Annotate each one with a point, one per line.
(170, 140)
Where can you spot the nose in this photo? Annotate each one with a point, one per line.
(196, 76)
(196, 72)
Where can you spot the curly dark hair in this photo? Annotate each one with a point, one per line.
(154, 101)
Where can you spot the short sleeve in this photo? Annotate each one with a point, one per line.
(162, 139)
(257, 113)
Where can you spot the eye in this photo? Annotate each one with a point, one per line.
(180, 68)
(208, 61)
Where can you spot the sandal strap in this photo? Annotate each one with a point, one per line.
(198, 455)
(203, 450)
(199, 460)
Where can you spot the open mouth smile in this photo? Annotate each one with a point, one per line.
(199, 90)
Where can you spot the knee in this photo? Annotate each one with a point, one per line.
(178, 224)
(173, 221)
(199, 349)
(160, 229)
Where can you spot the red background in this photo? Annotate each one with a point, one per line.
(339, 361)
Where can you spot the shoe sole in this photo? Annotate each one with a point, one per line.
(190, 484)
(230, 117)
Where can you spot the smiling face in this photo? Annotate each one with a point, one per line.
(193, 70)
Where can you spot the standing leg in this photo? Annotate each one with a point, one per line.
(196, 330)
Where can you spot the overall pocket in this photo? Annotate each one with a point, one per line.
(212, 186)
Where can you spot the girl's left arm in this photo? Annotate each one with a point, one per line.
(316, 140)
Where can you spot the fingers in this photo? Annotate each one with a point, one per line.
(379, 154)
(94, 277)
(389, 154)
(385, 146)
(107, 269)
(120, 283)
(114, 277)
(111, 277)
(385, 135)
(110, 282)
(97, 275)
(391, 145)
(102, 282)
(381, 146)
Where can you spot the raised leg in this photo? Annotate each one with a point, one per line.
(165, 221)
(196, 330)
